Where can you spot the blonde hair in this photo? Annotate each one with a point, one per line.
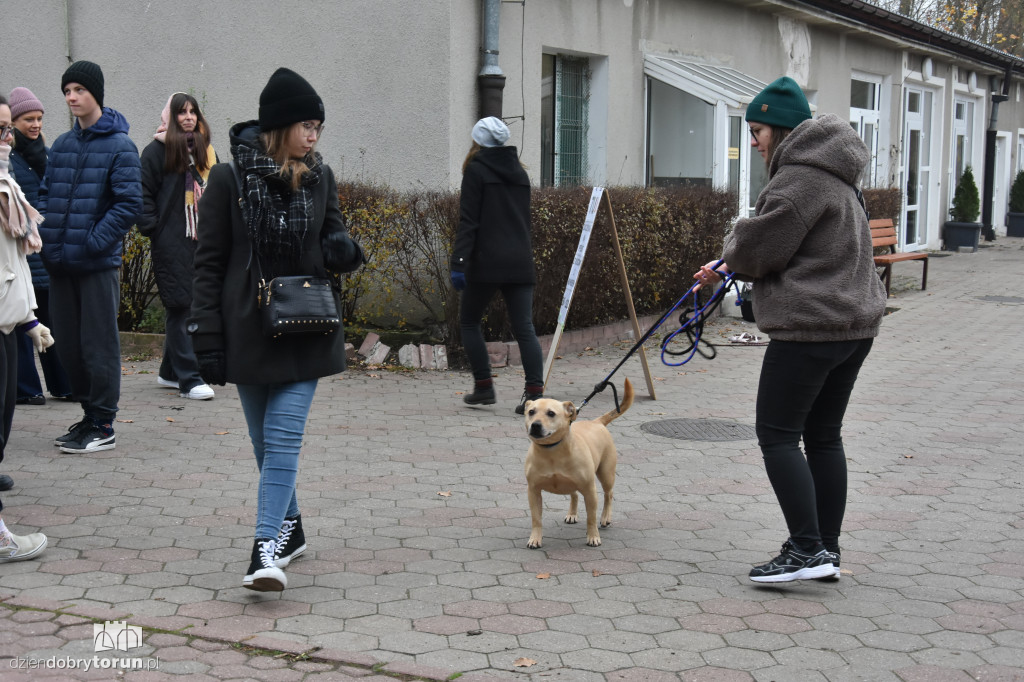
(274, 142)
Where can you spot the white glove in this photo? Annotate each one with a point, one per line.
(41, 339)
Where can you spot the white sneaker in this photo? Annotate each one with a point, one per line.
(20, 547)
(166, 382)
(200, 392)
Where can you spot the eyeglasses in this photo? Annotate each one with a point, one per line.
(5, 131)
(753, 134)
(309, 128)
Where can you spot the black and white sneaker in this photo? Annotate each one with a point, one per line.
(93, 437)
(291, 542)
(794, 564)
(834, 558)
(72, 433)
(263, 575)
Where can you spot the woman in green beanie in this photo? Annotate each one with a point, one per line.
(808, 252)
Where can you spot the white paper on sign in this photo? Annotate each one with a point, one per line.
(581, 252)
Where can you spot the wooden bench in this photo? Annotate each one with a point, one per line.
(883, 233)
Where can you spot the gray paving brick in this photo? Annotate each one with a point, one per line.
(394, 573)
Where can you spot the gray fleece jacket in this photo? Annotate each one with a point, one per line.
(808, 249)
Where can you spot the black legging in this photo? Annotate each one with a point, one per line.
(519, 301)
(803, 392)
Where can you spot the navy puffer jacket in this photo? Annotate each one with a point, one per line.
(91, 195)
(28, 180)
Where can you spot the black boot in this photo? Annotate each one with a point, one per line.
(291, 542)
(483, 393)
(531, 393)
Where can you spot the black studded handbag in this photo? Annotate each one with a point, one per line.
(298, 304)
(293, 304)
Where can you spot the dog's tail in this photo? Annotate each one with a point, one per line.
(627, 400)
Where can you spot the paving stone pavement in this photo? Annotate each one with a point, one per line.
(401, 581)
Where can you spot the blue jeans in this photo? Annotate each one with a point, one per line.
(803, 394)
(276, 415)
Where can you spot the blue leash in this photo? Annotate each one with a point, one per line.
(692, 325)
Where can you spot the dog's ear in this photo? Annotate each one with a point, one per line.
(570, 410)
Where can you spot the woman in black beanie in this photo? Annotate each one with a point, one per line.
(808, 251)
(290, 225)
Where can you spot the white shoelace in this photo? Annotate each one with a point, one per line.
(267, 550)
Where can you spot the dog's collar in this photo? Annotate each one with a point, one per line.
(549, 445)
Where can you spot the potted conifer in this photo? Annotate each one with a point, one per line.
(962, 230)
(1015, 218)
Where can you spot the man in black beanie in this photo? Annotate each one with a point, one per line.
(90, 196)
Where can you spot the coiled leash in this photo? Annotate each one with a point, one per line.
(692, 324)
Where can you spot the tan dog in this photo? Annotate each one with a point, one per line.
(566, 458)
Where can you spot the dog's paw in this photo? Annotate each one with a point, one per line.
(533, 543)
(605, 524)
(594, 541)
(571, 518)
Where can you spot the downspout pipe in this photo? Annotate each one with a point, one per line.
(987, 229)
(490, 80)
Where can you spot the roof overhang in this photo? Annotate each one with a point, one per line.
(713, 84)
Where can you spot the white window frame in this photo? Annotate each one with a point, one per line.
(860, 118)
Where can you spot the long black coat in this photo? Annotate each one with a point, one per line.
(224, 313)
(163, 221)
(492, 243)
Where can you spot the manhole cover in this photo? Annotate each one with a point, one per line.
(700, 429)
(1001, 299)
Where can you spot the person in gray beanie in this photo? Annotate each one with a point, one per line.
(91, 195)
(808, 251)
(492, 253)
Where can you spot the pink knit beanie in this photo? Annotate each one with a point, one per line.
(23, 101)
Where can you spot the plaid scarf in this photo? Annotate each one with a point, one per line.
(279, 218)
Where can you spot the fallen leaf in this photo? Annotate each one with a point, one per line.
(543, 576)
(524, 662)
(596, 572)
(908, 456)
(169, 419)
(126, 421)
(558, 357)
(222, 433)
(445, 493)
(588, 348)
(474, 633)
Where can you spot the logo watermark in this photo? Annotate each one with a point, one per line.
(111, 636)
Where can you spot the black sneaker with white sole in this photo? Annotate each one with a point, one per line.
(834, 557)
(263, 575)
(794, 564)
(291, 542)
(94, 437)
(72, 433)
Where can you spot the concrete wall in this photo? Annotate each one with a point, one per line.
(385, 72)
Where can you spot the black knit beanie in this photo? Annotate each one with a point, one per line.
(288, 98)
(88, 75)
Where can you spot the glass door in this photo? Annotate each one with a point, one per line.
(916, 168)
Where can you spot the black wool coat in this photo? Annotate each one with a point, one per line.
(492, 244)
(224, 312)
(163, 221)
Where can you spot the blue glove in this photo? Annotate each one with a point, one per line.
(458, 280)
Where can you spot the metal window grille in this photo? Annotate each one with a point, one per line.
(572, 101)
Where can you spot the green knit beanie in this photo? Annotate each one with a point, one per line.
(782, 104)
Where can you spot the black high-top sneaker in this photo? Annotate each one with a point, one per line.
(291, 542)
(263, 574)
(483, 393)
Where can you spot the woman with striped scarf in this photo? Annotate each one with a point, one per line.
(175, 166)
